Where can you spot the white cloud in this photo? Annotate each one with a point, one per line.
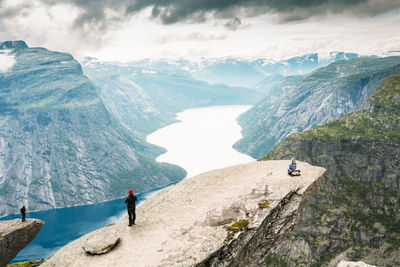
(139, 37)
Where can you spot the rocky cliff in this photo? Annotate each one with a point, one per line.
(297, 104)
(228, 217)
(15, 235)
(59, 146)
(354, 213)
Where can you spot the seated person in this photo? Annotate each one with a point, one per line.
(292, 171)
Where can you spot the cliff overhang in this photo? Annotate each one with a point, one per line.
(15, 235)
(232, 216)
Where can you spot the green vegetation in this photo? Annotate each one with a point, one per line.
(30, 263)
(275, 261)
(238, 226)
(263, 204)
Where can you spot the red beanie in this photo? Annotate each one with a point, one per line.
(130, 191)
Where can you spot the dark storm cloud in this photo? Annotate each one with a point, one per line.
(233, 24)
(172, 11)
(93, 12)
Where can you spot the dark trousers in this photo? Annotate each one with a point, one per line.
(131, 215)
(23, 216)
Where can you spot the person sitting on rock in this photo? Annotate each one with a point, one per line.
(130, 203)
(292, 171)
(23, 213)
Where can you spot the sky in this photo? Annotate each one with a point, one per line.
(125, 30)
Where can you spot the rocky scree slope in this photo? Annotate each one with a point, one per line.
(59, 146)
(228, 217)
(299, 103)
(354, 213)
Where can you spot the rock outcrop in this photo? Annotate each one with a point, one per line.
(101, 241)
(354, 213)
(227, 217)
(15, 235)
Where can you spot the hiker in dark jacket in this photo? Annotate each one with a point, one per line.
(292, 171)
(130, 204)
(23, 213)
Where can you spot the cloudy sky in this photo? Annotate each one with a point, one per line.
(125, 30)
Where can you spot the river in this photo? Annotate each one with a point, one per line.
(202, 139)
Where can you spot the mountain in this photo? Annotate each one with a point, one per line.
(354, 213)
(59, 145)
(147, 95)
(229, 71)
(252, 73)
(299, 103)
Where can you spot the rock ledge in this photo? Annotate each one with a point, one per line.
(228, 217)
(15, 235)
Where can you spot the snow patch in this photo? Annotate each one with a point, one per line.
(389, 54)
(7, 61)
(327, 56)
(149, 72)
(354, 264)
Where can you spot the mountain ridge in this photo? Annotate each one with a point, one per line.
(299, 103)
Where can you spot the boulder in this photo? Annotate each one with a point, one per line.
(101, 242)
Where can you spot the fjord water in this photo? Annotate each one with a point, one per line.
(202, 139)
(67, 224)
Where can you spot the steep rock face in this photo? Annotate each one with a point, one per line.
(59, 146)
(228, 217)
(354, 213)
(299, 104)
(15, 235)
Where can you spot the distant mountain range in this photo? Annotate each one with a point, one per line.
(146, 95)
(235, 72)
(249, 73)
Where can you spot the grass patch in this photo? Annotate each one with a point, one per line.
(238, 226)
(30, 263)
(264, 204)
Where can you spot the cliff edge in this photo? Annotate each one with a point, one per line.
(232, 216)
(15, 235)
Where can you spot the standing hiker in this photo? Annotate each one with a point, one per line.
(292, 171)
(130, 204)
(23, 213)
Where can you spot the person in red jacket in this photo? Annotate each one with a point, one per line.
(131, 206)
